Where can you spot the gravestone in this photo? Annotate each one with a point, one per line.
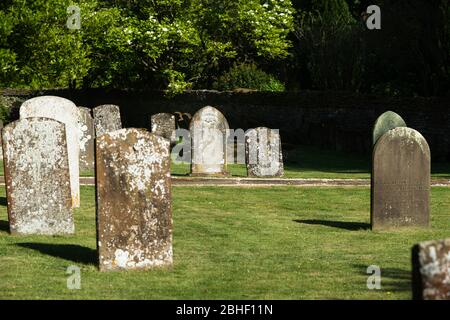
(1, 148)
(163, 124)
(86, 136)
(400, 180)
(385, 122)
(65, 111)
(106, 119)
(37, 177)
(263, 153)
(134, 213)
(209, 148)
(431, 270)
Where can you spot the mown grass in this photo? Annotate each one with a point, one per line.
(233, 243)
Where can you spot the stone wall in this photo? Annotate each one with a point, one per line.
(333, 120)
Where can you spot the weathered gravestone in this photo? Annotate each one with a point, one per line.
(385, 122)
(106, 119)
(65, 111)
(209, 148)
(431, 270)
(86, 136)
(1, 148)
(400, 180)
(263, 153)
(134, 213)
(163, 124)
(37, 177)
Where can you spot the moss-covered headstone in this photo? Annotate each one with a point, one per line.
(385, 122)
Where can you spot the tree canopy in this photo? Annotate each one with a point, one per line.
(201, 44)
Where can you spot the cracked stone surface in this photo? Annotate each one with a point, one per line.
(163, 124)
(37, 177)
(431, 270)
(106, 119)
(65, 111)
(263, 153)
(400, 190)
(86, 137)
(134, 209)
(209, 149)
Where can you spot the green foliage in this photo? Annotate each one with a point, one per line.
(248, 76)
(329, 42)
(159, 44)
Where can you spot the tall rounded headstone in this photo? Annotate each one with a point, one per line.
(209, 130)
(65, 111)
(400, 190)
(263, 153)
(37, 177)
(106, 119)
(86, 136)
(385, 122)
(134, 209)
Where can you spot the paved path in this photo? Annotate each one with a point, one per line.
(261, 182)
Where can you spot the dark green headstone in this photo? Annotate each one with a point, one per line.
(387, 121)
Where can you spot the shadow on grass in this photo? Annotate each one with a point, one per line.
(351, 226)
(72, 252)
(4, 225)
(3, 202)
(392, 279)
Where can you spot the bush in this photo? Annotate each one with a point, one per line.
(248, 76)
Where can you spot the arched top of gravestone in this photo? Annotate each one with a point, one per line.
(85, 110)
(209, 117)
(385, 122)
(106, 118)
(403, 137)
(52, 107)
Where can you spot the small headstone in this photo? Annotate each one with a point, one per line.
(263, 153)
(209, 148)
(163, 124)
(385, 122)
(134, 212)
(400, 180)
(37, 177)
(431, 270)
(106, 119)
(86, 136)
(65, 111)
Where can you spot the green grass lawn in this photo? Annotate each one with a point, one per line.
(233, 243)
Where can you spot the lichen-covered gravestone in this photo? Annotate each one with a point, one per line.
(134, 210)
(163, 124)
(65, 111)
(400, 180)
(209, 142)
(263, 153)
(431, 270)
(37, 177)
(106, 119)
(86, 136)
(385, 122)
(1, 148)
